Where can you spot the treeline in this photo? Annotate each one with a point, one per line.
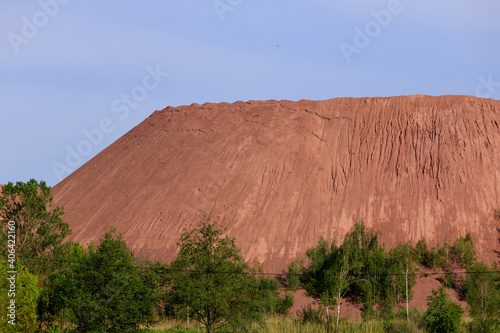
(360, 268)
(63, 287)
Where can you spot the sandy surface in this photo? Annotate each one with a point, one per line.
(279, 174)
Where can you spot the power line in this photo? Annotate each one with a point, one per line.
(166, 269)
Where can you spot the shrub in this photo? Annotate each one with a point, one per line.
(463, 252)
(422, 253)
(295, 270)
(26, 295)
(284, 304)
(309, 315)
(483, 296)
(442, 315)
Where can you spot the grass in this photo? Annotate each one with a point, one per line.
(277, 324)
(289, 324)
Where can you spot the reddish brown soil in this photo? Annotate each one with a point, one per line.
(279, 174)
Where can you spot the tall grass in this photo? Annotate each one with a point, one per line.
(289, 324)
(294, 325)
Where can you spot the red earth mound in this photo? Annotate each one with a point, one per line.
(279, 174)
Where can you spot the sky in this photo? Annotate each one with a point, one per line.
(77, 75)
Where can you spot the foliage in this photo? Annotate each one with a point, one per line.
(483, 296)
(25, 296)
(280, 324)
(421, 253)
(402, 271)
(153, 275)
(310, 315)
(211, 282)
(442, 315)
(101, 290)
(57, 290)
(437, 257)
(285, 303)
(269, 298)
(463, 253)
(295, 270)
(39, 226)
(448, 280)
(357, 268)
(368, 266)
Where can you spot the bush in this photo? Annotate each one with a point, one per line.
(309, 315)
(483, 296)
(442, 315)
(463, 252)
(479, 326)
(26, 295)
(295, 270)
(284, 304)
(102, 291)
(422, 253)
(448, 280)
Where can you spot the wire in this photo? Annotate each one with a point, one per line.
(166, 269)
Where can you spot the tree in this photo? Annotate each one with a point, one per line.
(211, 282)
(369, 266)
(357, 267)
(54, 305)
(102, 290)
(25, 295)
(422, 253)
(442, 314)
(153, 275)
(39, 226)
(402, 267)
(483, 296)
(463, 252)
(295, 270)
(338, 281)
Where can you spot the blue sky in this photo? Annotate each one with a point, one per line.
(77, 75)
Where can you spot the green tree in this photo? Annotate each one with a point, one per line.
(39, 226)
(422, 253)
(357, 268)
(269, 298)
(58, 289)
(369, 266)
(25, 295)
(338, 281)
(463, 252)
(320, 259)
(295, 270)
(402, 269)
(439, 256)
(483, 296)
(211, 282)
(442, 314)
(102, 290)
(154, 276)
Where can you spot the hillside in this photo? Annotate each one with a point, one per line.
(279, 174)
